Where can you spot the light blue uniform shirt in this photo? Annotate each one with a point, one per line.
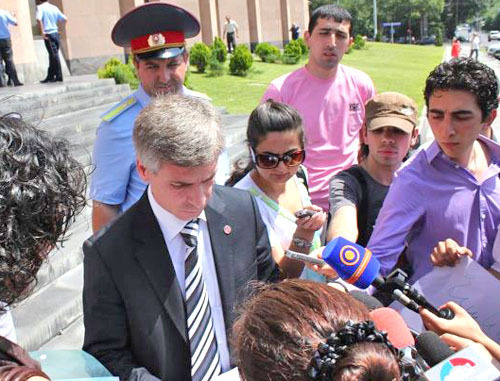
(115, 180)
(6, 19)
(49, 15)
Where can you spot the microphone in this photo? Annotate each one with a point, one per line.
(353, 263)
(357, 266)
(369, 301)
(405, 301)
(432, 349)
(388, 320)
(468, 364)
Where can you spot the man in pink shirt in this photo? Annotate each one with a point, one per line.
(330, 98)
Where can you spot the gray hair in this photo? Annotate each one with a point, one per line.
(182, 130)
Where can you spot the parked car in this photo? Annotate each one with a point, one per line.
(494, 35)
(430, 40)
(494, 49)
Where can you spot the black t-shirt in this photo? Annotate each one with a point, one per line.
(346, 189)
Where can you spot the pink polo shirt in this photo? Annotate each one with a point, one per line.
(333, 111)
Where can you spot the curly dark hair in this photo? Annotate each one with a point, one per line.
(42, 189)
(465, 74)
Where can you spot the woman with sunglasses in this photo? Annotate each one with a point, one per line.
(276, 142)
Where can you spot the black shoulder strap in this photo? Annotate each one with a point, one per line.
(362, 209)
(301, 174)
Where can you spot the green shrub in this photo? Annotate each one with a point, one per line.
(350, 49)
(215, 67)
(289, 60)
(359, 42)
(241, 61)
(187, 82)
(199, 55)
(219, 49)
(292, 53)
(303, 46)
(267, 52)
(378, 36)
(122, 73)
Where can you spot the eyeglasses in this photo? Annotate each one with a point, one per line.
(269, 160)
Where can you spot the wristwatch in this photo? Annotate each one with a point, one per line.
(301, 243)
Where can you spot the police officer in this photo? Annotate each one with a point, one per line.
(7, 19)
(47, 17)
(155, 33)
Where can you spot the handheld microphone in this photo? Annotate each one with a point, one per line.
(388, 320)
(355, 264)
(405, 301)
(369, 301)
(468, 364)
(432, 349)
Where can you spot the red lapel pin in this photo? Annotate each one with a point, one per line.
(227, 229)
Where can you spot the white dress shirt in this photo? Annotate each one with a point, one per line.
(171, 227)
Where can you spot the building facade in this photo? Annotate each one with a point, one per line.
(85, 38)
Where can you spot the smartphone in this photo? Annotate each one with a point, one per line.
(305, 213)
(304, 258)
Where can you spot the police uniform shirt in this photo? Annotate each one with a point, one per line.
(49, 15)
(115, 180)
(6, 19)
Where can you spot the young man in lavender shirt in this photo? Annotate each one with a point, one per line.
(451, 188)
(329, 96)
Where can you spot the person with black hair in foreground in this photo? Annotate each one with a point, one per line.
(42, 189)
(302, 330)
(276, 141)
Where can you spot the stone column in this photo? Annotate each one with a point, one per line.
(254, 22)
(285, 21)
(208, 20)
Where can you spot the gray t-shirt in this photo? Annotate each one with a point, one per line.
(345, 189)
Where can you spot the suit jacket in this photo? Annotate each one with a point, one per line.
(134, 312)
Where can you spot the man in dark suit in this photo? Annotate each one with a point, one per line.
(161, 283)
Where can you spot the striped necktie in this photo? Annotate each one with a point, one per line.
(205, 362)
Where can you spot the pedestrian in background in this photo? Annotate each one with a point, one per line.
(474, 45)
(48, 16)
(7, 19)
(230, 30)
(455, 48)
(295, 29)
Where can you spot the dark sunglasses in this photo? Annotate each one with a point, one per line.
(269, 160)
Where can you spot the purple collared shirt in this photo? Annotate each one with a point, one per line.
(433, 198)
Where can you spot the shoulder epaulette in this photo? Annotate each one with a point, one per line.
(117, 109)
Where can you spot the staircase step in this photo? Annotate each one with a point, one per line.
(35, 110)
(75, 122)
(69, 338)
(41, 91)
(68, 256)
(47, 312)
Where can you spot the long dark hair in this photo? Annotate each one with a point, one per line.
(270, 116)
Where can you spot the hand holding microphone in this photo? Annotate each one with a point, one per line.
(357, 266)
(462, 326)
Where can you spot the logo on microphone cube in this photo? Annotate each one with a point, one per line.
(468, 364)
(349, 255)
(457, 369)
